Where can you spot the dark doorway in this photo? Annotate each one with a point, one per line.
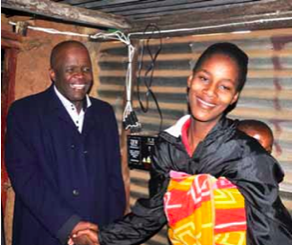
(10, 44)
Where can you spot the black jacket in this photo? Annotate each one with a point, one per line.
(224, 152)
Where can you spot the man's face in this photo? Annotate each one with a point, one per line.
(72, 73)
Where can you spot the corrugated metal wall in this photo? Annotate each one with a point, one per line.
(267, 95)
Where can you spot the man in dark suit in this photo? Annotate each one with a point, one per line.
(62, 155)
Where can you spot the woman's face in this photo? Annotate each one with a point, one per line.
(213, 88)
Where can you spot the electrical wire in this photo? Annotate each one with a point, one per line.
(129, 119)
(149, 73)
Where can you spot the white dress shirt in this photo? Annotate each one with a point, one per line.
(76, 117)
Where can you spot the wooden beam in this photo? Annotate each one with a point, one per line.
(10, 40)
(10, 35)
(258, 15)
(8, 43)
(67, 13)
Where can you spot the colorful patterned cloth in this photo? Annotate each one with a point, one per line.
(203, 210)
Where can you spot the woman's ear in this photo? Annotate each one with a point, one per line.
(189, 81)
(235, 98)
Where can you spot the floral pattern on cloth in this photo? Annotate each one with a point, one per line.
(204, 210)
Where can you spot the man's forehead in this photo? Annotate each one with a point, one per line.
(65, 52)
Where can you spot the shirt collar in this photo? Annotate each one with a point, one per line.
(184, 136)
(180, 129)
(67, 103)
(176, 130)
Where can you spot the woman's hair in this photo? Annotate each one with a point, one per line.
(233, 52)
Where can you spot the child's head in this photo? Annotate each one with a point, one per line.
(258, 130)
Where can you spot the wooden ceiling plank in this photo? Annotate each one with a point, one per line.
(106, 4)
(155, 4)
(75, 2)
(230, 11)
(82, 3)
(254, 16)
(68, 13)
(164, 12)
(162, 6)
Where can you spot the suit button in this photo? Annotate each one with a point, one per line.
(72, 146)
(85, 152)
(75, 192)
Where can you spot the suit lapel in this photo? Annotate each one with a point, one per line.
(89, 121)
(56, 108)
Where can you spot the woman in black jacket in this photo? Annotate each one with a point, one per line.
(206, 142)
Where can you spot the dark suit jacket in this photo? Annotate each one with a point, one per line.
(61, 176)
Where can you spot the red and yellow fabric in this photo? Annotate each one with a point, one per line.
(203, 210)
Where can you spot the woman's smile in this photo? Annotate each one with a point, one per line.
(204, 104)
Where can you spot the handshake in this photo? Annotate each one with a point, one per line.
(84, 233)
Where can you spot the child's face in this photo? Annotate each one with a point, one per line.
(213, 87)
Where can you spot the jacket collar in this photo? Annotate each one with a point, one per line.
(223, 124)
(56, 107)
(52, 100)
(68, 104)
(223, 131)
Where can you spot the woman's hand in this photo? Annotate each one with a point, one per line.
(85, 237)
(81, 240)
(84, 233)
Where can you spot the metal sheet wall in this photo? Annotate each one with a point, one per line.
(267, 95)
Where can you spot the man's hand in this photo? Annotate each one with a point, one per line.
(82, 225)
(80, 240)
(87, 238)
